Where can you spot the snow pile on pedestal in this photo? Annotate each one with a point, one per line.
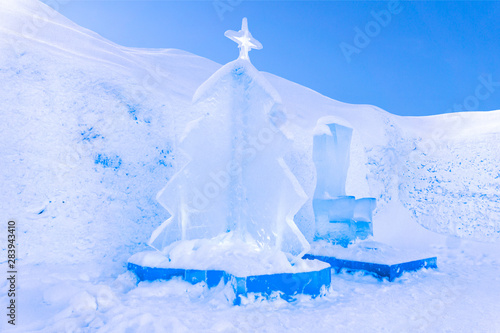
(69, 95)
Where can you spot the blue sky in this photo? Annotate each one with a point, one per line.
(409, 58)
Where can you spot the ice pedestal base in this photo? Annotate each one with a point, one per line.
(211, 277)
(372, 257)
(310, 279)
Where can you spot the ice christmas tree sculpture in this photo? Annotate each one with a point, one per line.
(236, 194)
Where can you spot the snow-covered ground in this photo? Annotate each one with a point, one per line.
(461, 296)
(88, 136)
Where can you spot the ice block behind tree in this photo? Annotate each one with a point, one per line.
(331, 157)
(339, 218)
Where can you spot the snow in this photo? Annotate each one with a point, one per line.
(90, 132)
(223, 187)
(331, 157)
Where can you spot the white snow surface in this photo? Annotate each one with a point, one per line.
(88, 136)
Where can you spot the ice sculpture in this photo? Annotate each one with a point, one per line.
(236, 188)
(339, 218)
(343, 223)
(331, 157)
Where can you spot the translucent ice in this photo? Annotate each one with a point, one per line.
(363, 210)
(236, 181)
(244, 39)
(334, 219)
(333, 210)
(331, 148)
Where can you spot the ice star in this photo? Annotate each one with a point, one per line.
(244, 39)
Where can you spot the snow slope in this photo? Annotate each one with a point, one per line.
(88, 136)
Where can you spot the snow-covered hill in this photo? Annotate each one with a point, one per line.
(88, 136)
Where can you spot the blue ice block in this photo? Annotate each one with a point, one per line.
(372, 257)
(363, 209)
(145, 273)
(211, 277)
(333, 210)
(389, 271)
(334, 219)
(331, 158)
(363, 214)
